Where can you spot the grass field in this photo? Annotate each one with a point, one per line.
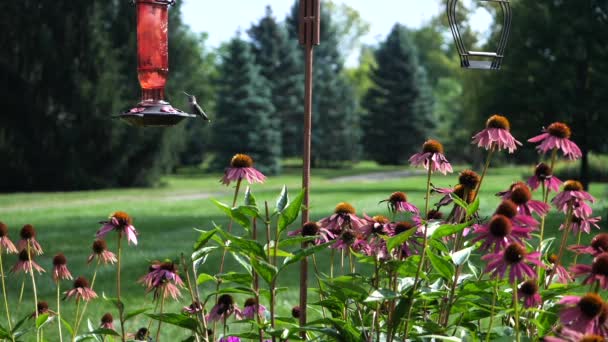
(165, 217)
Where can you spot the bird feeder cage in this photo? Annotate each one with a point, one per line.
(480, 59)
(153, 67)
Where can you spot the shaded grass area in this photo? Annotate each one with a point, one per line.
(165, 217)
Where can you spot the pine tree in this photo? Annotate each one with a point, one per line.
(399, 105)
(244, 112)
(336, 131)
(276, 55)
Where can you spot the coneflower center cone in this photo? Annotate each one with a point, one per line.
(344, 208)
(573, 185)
(241, 160)
(600, 242)
(559, 129)
(520, 194)
(591, 305)
(514, 253)
(507, 208)
(498, 121)
(543, 171)
(432, 146)
(500, 226)
(600, 264)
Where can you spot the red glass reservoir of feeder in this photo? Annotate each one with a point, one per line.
(152, 48)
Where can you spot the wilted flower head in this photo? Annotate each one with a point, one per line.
(528, 291)
(193, 308)
(107, 321)
(432, 157)
(296, 311)
(557, 136)
(26, 263)
(249, 311)
(584, 314)
(573, 194)
(163, 279)
(469, 179)
(81, 290)
(397, 202)
(598, 271)
(60, 268)
(496, 135)
(241, 167)
(544, 174)
(28, 237)
(141, 334)
(5, 243)
(101, 252)
(515, 258)
(223, 309)
(122, 223)
(41, 309)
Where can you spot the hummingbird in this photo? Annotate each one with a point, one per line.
(195, 108)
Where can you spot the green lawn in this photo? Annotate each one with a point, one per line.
(165, 217)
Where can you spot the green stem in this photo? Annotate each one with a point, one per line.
(162, 305)
(86, 303)
(515, 305)
(578, 242)
(59, 309)
(76, 319)
(8, 315)
(29, 257)
(120, 305)
(562, 246)
(542, 226)
(483, 173)
(494, 295)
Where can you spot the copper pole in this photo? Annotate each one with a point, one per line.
(309, 35)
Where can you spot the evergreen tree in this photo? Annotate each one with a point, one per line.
(276, 55)
(244, 112)
(336, 131)
(399, 107)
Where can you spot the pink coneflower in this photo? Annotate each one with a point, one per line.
(520, 194)
(121, 222)
(344, 216)
(25, 263)
(598, 245)
(556, 136)
(496, 134)
(230, 339)
(515, 258)
(499, 232)
(509, 209)
(563, 276)
(598, 271)
(583, 224)
(193, 308)
(584, 314)
(81, 290)
(107, 321)
(310, 229)
(569, 335)
(407, 248)
(6, 243)
(241, 167)
(432, 156)
(397, 202)
(249, 311)
(101, 252)
(377, 225)
(574, 195)
(41, 309)
(544, 174)
(28, 235)
(345, 240)
(60, 268)
(528, 291)
(224, 308)
(162, 278)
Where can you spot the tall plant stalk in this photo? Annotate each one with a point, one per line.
(8, 315)
(120, 305)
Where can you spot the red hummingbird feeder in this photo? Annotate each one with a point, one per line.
(153, 67)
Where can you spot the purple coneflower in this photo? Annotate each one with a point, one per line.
(224, 308)
(60, 268)
(582, 224)
(574, 195)
(310, 229)
(598, 271)
(344, 216)
(563, 276)
(584, 314)
(528, 291)
(397, 202)
(569, 335)
(5, 242)
(241, 167)
(598, 245)
(163, 279)
(432, 156)
(515, 258)
(345, 240)
(544, 174)
(407, 248)
(508, 208)
(499, 232)
(377, 225)
(230, 339)
(107, 321)
(496, 134)
(121, 222)
(101, 252)
(557, 136)
(41, 309)
(81, 290)
(193, 308)
(28, 235)
(520, 194)
(26, 262)
(249, 311)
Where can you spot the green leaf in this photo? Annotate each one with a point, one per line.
(135, 313)
(244, 246)
(103, 331)
(460, 257)
(203, 239)
(179, 320)
(118, 304)
(67, 326)
(449, 229)
(291, 212)
(302, 253)
(234, 277)
(472, 208)
(458, 201)
(249, 198)
(42, 320)
(203, 278)
(399, 239)
(280, 253)
(20, 323)
(264, 269)
(282, 200)
(381, 295)
(236, 215)
(444, 267)
(442, 338)
(4, 333)
(400, 313)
